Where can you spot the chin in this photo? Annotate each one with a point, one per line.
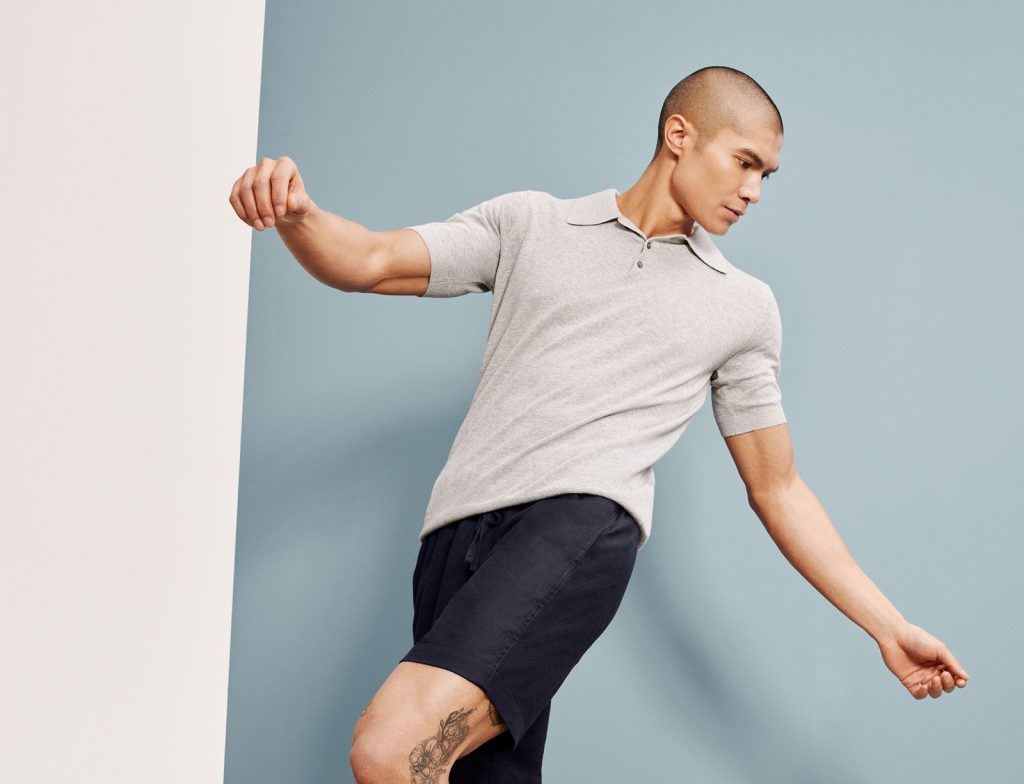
(718, 231)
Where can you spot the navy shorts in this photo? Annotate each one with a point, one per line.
(511, 599)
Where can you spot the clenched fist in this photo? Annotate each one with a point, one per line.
(924, 665)
(270, 191)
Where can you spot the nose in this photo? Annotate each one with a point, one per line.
(751, 193)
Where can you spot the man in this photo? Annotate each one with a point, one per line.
(614, 316)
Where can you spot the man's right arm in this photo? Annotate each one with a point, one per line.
(336, 251)
(346, 255)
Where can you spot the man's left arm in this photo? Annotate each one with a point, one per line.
(802, 530)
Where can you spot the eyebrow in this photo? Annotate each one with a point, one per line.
(757, 159)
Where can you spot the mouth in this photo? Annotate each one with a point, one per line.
(736, 215)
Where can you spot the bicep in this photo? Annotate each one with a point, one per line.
(403, 263)
(763, 457)
(409, 286)
(745, 391)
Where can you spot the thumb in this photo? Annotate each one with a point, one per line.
(298, 202)
(952, 664)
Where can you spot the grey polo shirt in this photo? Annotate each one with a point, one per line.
(602, 345)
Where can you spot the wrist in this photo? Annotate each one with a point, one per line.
(888, 631)
(306, 221)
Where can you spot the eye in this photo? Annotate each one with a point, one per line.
(745, 164)
(765, 177)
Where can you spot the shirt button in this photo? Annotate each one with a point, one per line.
(639, 263)
(648, 244)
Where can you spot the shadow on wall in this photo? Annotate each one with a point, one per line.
(326, 546)
(764, 744)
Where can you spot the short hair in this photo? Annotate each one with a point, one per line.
(714, 98)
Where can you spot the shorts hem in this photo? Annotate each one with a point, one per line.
(480, 672)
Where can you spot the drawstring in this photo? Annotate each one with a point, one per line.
(489, 519)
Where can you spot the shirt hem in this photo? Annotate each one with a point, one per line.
(499, 502)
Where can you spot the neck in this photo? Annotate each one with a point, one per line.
(649, 203)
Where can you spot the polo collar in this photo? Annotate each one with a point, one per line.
(601, 207)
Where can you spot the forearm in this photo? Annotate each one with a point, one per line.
(336, 251)
(802, 530)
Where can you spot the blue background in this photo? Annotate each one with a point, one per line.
(888, 237)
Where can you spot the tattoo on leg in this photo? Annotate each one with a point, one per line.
(495, 717)
(427, 759)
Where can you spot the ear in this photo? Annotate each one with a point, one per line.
(679, 133)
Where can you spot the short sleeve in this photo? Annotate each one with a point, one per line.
(465, 248)
(745, 392)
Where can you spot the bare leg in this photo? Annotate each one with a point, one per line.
(420, 721)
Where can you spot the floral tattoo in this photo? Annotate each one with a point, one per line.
(427, 759)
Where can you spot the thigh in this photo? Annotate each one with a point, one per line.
(424, 718)
(545, 580)
(498, 762)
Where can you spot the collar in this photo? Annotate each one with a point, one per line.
(601, 207)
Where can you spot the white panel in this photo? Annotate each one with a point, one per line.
(123, 290)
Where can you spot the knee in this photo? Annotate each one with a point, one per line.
(375, 760)
(369, 766)
(369, 762)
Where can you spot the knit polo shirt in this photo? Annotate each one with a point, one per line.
(602, 345)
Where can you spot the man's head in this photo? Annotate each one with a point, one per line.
(720, 134)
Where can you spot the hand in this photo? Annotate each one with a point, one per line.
(922, 663)
(271, 190)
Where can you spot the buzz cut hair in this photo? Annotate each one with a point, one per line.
(714, 98)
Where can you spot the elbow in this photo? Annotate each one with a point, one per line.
(372, 271)
(378, 261)
(768, 489)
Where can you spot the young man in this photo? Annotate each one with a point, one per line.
(614, 316)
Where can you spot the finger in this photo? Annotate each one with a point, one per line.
(919, 691)
(248, 200)
(261, 190)
(935, 687)
(947, 658)
(279, 181)
(947, 682)
(236, 203)
(947, 675)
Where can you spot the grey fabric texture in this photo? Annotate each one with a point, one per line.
(602, 345)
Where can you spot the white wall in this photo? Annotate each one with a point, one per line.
(123, 291)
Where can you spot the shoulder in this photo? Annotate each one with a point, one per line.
(755, 292)
(758, 291)
(508, 203)
(531, 209)
(740, 287)
(753, 304)
(539, 202)
(543, 201)
(599, 204)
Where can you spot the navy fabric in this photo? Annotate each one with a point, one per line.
(511, 599)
